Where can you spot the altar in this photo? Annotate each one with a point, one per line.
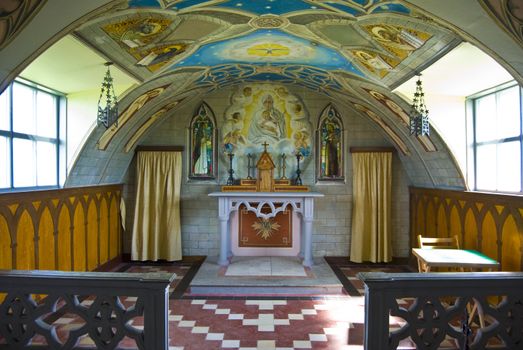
(283, 214)
(301, 204)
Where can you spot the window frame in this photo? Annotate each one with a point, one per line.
(58, 142)
(471, 111)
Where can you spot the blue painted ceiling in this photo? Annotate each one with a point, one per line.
(327, 46)
(278, 7)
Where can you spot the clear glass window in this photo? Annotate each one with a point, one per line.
(485, 121)
(5, 171)
(5, 110)
(24, 169)
(46, 118)
(497, 125)
(34, 159)
(508, 114)
(23, 109)
(509, 166)
(486, 158)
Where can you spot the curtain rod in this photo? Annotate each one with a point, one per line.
(371, 149)
(143, 148)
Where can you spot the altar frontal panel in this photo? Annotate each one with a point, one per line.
(274, 232)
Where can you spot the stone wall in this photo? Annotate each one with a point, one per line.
(332, 226)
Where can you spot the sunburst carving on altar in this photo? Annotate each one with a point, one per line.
(273, 232)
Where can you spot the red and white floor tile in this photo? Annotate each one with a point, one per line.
(264, 324)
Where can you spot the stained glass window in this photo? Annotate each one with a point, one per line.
(330, 145)
(203, 144)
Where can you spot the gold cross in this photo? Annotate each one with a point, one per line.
(265, 144)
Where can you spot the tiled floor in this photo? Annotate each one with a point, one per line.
(347, 272)
(333, 321)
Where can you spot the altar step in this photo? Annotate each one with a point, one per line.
(268, 290)
(264, 276)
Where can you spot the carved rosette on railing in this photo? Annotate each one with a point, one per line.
(95, 313)
(444, 310)
(106, 321)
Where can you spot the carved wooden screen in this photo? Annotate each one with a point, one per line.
(73, 229)
(202, 144)
(330, 145)
(488, 222)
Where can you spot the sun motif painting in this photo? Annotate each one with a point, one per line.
(274, 47)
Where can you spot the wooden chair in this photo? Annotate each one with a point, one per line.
(438, 243)
(446, 243)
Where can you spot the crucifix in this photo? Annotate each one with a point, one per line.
(265, 144)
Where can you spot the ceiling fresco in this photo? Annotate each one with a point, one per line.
(367, 38)
(279, 7)
(269, 47)
(332, 47)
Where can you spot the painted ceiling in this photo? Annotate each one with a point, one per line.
(368, 39)
(341, 48)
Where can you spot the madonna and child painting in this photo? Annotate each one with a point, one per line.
(269, 113)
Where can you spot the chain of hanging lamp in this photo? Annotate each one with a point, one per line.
(419, 114)
(107, 103)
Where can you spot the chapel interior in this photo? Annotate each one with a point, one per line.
(270, 164)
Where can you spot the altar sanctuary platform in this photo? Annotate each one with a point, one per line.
(264, 276)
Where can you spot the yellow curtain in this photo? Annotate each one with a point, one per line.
(371, 226)
(156, 228)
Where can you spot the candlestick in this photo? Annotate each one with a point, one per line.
(283, 166)
(249, 166)
(298, 181)
(230, 180)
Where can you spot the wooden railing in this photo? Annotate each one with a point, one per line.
(489, 223)
(73, 229)
(430, 309)
(89, 310)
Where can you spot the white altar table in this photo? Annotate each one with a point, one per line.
(301, 203)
